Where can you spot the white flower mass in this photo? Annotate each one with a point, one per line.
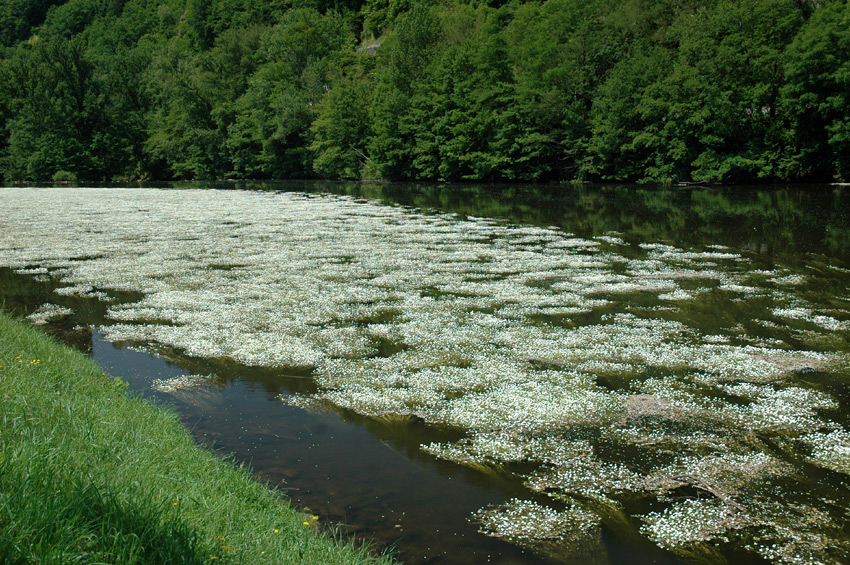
(582, 365)
(48, 312)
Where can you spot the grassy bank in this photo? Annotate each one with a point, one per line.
(90, 475)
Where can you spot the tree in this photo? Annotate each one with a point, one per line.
(817, 96)
(643, 90)
(404, 59)
(274, 115)
(183, 139)
(711, 114)
(58, 120)
(341, 128)
(19, 17)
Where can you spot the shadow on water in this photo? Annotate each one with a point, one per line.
(371, 476)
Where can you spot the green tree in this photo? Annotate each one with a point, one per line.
(72, 18)
(6, 78)
(183, 139)
(271, 132)
(380, 15)
(195, 104)
(561, 51)
(647, 90)
(459, 109)
(712, 113)
(341, 128)
(403, 59)
(19, 17)
(817, 97)
(626, 140)
(58, 120)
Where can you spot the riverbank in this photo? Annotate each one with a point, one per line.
(89, 474)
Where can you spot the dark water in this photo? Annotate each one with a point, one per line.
(367, 480)
(371, 479)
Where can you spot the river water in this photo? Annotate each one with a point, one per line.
(470, 374)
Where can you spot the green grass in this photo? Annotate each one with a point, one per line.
(91, 475)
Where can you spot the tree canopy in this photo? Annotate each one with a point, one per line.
(447, 90)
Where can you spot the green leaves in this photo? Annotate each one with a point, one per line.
(19, 17)
(341, 128)
(816, 96)
(636, 90)
(281, 101)
(57, 120)
(704, 110)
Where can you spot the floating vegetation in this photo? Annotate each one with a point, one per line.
(806, 315)
(527, 520)
(693, 521)
(831, 450)
(183, 382)
(571, 535)
(584, 476)
(790, 409)
(781, 533)
(681, 389)
(84, 291)
(720, 475)
(47, 313)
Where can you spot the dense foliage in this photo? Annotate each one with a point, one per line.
(646, 90)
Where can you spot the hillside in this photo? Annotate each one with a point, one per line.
(555, 90)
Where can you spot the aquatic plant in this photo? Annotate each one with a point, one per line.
(570, 535)
(48, 312)
(183, 382)
(597, 371)
(830, 450)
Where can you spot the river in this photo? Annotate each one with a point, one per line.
(469, 374)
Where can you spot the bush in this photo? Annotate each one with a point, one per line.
(64, 176)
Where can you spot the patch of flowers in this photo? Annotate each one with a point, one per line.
(526, 521)
(48, 312)
(183, 382)
(597, 371)
(691, 522)
(830, 450)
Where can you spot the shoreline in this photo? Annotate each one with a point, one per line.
(119, 479)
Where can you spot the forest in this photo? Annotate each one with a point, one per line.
(652, 91)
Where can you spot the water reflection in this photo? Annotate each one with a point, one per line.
(788, 220)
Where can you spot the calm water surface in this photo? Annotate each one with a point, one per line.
(370, 475)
